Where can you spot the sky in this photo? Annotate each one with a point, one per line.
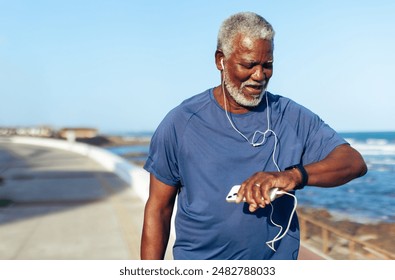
(120, 66)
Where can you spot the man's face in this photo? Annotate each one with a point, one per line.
(248, 70)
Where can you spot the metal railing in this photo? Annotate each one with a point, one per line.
(328, 234)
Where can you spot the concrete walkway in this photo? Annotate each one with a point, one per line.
(58, 205)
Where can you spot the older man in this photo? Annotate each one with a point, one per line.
(238, 134)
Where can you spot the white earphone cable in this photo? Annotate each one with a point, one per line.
(279, 236)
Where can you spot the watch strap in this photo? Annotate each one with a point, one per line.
(305, 176)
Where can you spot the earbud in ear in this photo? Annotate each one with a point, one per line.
(222, 63)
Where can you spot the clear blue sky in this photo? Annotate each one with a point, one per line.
(122, 65)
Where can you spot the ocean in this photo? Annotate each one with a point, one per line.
(370, 198)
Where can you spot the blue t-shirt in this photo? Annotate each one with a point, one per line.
(196, 150)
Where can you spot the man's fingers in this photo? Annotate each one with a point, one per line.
(240, 194)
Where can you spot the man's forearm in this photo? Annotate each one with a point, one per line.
(157, 219)
(155, 236)
(341, 166)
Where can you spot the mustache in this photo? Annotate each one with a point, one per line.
(255, 84)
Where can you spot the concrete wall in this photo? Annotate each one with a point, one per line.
(133, 175)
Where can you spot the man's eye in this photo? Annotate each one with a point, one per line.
(268, 65)
(248, 65)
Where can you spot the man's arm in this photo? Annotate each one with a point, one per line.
(341, 165)
(157, 219)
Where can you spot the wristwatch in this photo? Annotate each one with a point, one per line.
(305, 176)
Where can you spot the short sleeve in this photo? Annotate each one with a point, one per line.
(316, 137)
(162, 159)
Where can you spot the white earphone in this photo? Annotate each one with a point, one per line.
(222, 64)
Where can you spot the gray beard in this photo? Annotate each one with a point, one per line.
(237, 93)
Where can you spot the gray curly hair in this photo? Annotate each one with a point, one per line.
(247, 23)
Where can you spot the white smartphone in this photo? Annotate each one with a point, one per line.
(232, 195)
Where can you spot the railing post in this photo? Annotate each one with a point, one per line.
(351, 248)
(325, 241)
(303, 229)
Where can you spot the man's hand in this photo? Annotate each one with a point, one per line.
(256, 188)
(340, 166)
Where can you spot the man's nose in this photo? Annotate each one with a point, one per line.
(259, 73)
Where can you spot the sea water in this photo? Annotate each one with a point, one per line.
(370, 198)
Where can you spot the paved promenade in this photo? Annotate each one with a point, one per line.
(60, 205)
(64, 206)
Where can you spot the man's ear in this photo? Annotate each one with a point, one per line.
(219, 57)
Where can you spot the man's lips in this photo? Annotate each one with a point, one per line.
(254, 89)
(257, 87)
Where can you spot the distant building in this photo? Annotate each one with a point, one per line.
(77, 132)
(39, 131)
